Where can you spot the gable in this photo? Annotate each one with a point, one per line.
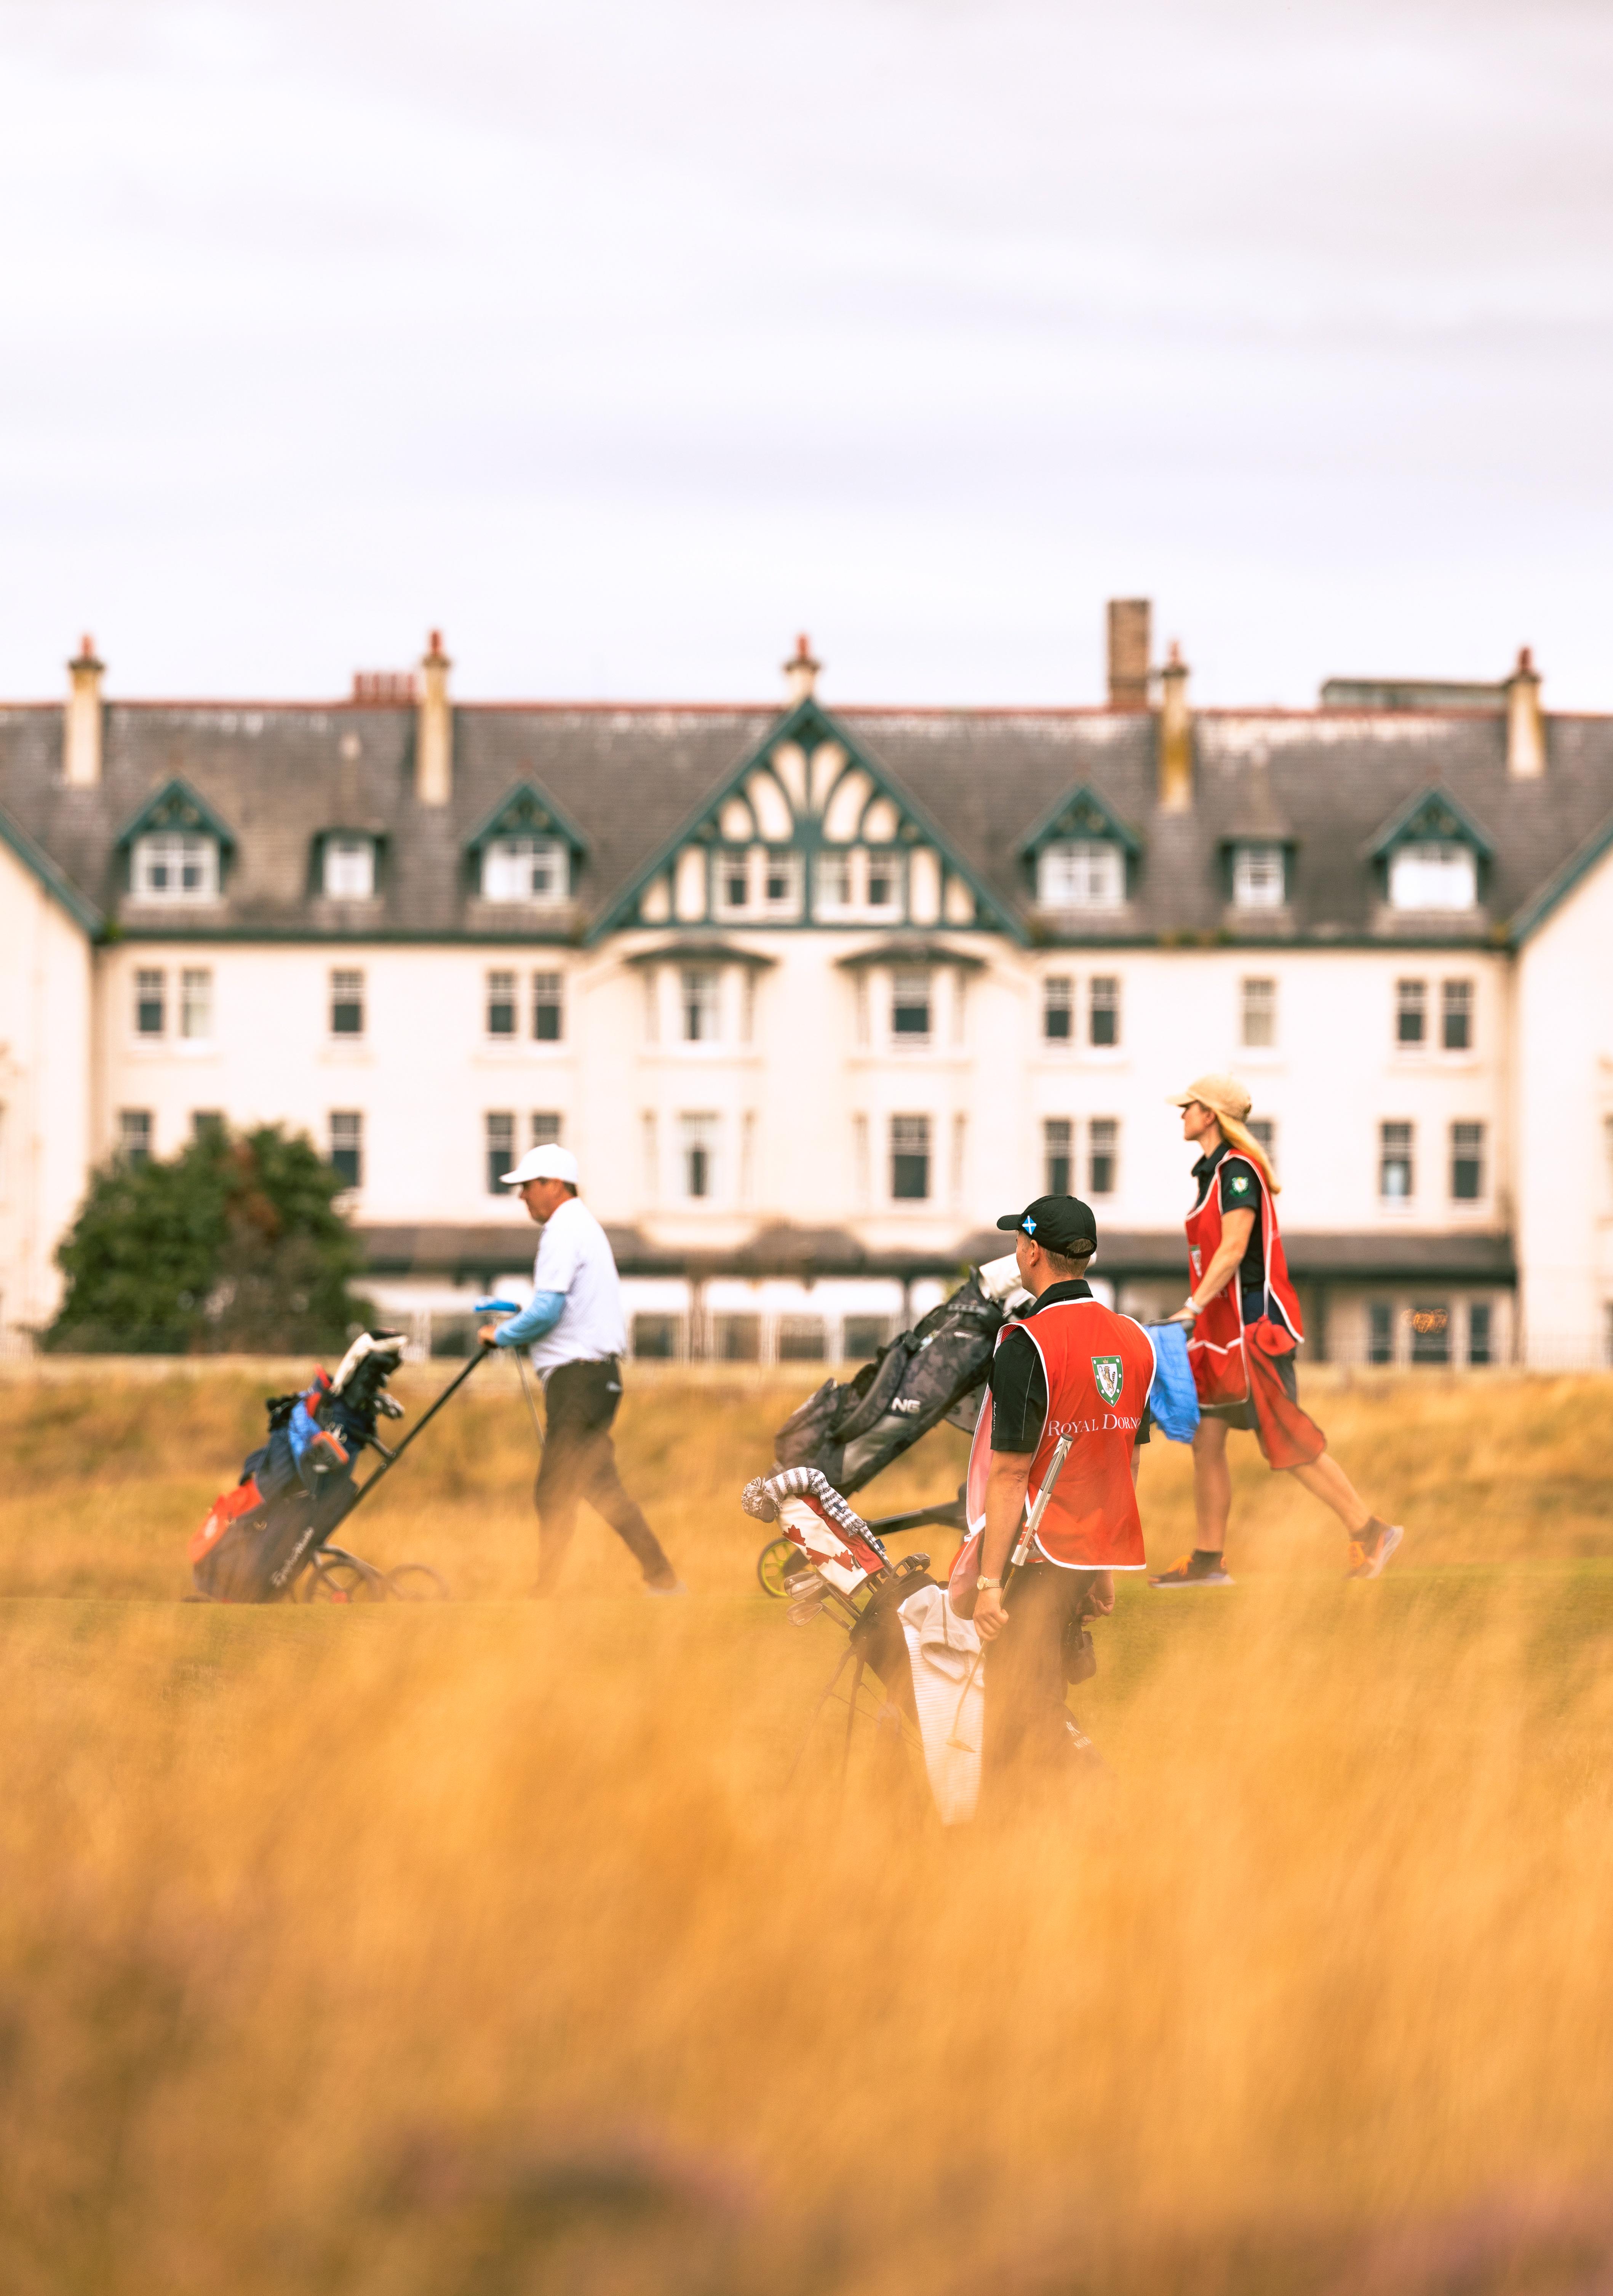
(1082, 815)
(176, 806)
(808, 830)
(1433, 815)
(525, 811)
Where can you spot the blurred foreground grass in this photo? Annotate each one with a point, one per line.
(448, 1951)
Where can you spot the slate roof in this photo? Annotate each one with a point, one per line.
(1325, 782)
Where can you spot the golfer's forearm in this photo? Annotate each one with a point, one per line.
(1004, 1510)
(541, 1314)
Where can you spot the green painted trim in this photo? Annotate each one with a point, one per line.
(1398, 831)
(491, 823)
(61, 888)
(1556, 889)
(1498, 943)
(215, 824)
(1120, 831)
(809, 717)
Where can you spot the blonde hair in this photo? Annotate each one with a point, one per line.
(1239, 1136)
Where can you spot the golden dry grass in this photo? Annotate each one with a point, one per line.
(419, 1951)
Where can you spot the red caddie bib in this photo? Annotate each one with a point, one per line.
(1098, 1368)
(1215, 1350)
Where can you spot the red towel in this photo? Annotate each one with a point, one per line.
(1287, 1435)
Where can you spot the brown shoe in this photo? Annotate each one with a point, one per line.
(1371, 1559)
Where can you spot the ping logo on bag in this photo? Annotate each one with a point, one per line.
(1110, 1373)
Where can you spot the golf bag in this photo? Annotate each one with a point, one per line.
(295, 1491)
(850, 1430)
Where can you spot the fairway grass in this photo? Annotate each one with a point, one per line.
(493, 1946)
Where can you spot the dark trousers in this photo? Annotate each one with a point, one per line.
(1027, 1742)
(579, 1462)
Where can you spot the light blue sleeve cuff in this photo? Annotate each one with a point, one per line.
(541, 1314)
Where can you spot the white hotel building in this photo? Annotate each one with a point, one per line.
(815, 993)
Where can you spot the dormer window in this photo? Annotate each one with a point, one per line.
(1433, 874)
(758, 882)
(533, 869)
(1260, 877)
(1081, 873)
(350, 868)
(860, 881)
(172, 866)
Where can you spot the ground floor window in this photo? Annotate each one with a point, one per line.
(864, 1336)
(655, 1338)
(348, 1145)
(801, 1339)
(1380, 1331)
(736, 1338)
(135, 1136)
(1478, 1332)
(910, 1159)
(1058, 1155)
(1431, 1332)
(1102, 1155)
(498, 1149)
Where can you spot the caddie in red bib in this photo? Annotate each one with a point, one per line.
(1053, 1474)
(1242, 1319)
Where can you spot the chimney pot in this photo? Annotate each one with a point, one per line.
(801, 672)
(82, 732)
(1175, 734)
(434, 728)
(1526, 720)
(1130, 647)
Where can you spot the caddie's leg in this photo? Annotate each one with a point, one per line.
(1325, 1480)
(1026, 1736)
(1212, 1486)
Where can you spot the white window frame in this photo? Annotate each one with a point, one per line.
(196, 1003)
(699, 1134)
(1259, 876)
(913, 1039)
(707, 998)
(1081, 873)
(173, 856)
(1258, 1011)
(150, 973)
(1434, 876)
(348, 872)
(349, 1138)
(853, 865)
(512, 867)
(757, 864)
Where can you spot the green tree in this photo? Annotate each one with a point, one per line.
(235, 1243)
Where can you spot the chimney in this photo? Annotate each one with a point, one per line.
(802, 673)
(1130, 644)
(81, 743)
(434, 728)
(1526, 724)
(1175, 735)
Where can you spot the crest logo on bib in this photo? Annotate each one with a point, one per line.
(1109, 1372)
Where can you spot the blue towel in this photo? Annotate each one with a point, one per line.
(1172, 1398)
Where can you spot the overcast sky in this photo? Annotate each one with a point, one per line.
(626, 339)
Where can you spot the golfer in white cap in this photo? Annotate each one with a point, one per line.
(573, 1325)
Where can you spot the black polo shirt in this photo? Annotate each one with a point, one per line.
(1019, 1384)
(1241, 1184)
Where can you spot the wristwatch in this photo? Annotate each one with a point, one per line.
(983, 1583)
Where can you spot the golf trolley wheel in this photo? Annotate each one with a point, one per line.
(416, 1582)
(334, 1578)
(775, 1564)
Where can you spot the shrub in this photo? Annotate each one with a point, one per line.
(233, 1244)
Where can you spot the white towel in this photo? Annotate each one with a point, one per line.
(949, 1692)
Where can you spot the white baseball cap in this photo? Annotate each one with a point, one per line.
(549, 1162)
